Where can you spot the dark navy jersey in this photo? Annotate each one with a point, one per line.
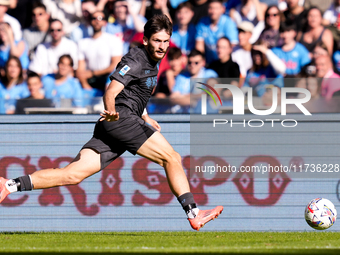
(138, 73)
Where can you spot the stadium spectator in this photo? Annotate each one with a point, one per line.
(315, 32)
(46, 58)
(225, 67)
(35, 86)
(322, 5)
(196, 69)
(106, 6)
(84, 30)
(295, 13)
(67, 11)
(292, 53)
(10, 47)
(13, 85)
(242, 52)
(38, 32)
(267, 70)
(13, 22)
(127, 23)
(166, 80)
(184, 32)
(271, 33)
(252, 11)
(63, 85)
(98, 55)
(200, 10)
(21, 10)
(36, 97)
(330, 16)
(311, 83)
(213, 27)
(330, 80)
(157, 7)
(319, 51)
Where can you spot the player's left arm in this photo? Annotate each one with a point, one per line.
(151, 121)
(109, 99)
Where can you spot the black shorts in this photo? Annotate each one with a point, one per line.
(112, 139)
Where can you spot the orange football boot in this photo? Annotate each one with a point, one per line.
(3, 190)
(204, 216)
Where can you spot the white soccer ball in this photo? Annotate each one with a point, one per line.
(320, 213)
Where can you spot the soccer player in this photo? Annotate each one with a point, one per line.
(122, 127)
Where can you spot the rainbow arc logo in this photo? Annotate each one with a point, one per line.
(208, 92)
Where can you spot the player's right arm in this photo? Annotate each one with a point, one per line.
(109, 98)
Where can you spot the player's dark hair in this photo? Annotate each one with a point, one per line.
(32, 75)
(288, 25)
(195, 53)
(38, 4)
(174, 53)
(156, 24)
(186, 4)
(215, 1)
(68, 56)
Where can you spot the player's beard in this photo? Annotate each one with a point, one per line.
(151, 50)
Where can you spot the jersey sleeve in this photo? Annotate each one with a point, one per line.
(231, 31)
(199, 31)
(78, 93)
(182, 85)
(48, 85)
(127, 70)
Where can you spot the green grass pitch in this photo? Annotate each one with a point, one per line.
(171, 242)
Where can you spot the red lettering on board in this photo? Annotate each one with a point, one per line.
(111, 181)
(53, 196)
(5, 162)
(153, 181)
(278, 181)
(198, 181)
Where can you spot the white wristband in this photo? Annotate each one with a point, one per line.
(144, 112)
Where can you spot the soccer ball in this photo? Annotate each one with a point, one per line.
(320, 213)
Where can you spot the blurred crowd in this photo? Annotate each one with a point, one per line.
(57, 50)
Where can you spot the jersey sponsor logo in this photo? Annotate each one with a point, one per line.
(124, 70)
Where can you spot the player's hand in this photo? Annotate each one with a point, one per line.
(151, 122)
(155, 125)
(109, 116)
